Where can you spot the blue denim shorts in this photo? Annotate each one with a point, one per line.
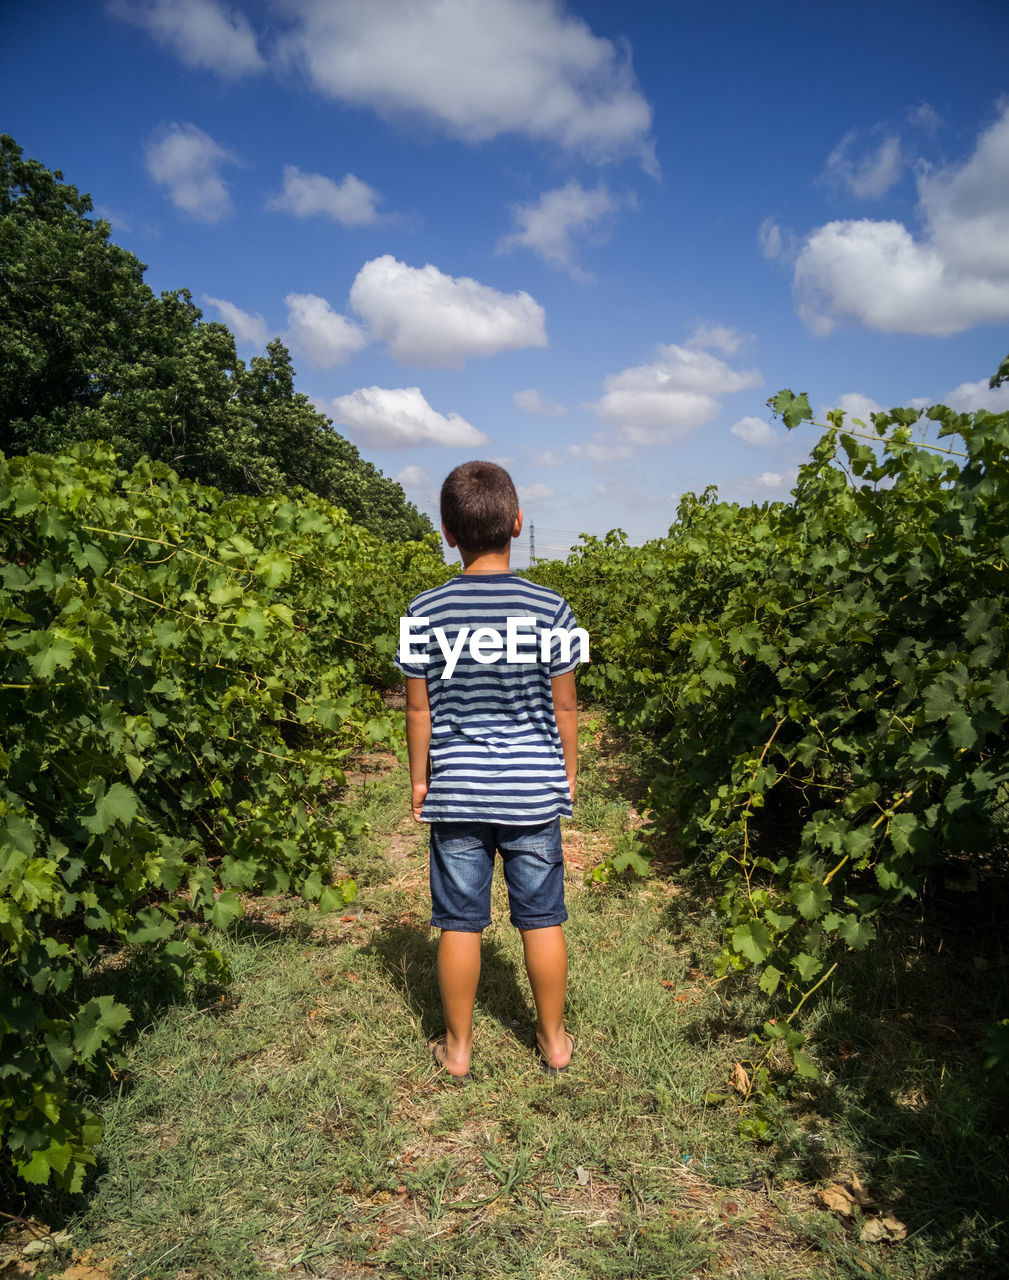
(462, 867)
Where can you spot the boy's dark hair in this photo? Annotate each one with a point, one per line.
(479, 505)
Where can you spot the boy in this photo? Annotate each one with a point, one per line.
(492, 734)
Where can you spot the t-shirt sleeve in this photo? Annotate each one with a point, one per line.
(412, 639)
(565, 655)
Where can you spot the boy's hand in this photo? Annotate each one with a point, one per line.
(565, 701)
(417, 797)
(418, 742)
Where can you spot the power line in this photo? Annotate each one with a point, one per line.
(558, 530)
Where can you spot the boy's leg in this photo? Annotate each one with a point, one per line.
(458, 974)
(546, 957)
(462, 867)
(534, 871)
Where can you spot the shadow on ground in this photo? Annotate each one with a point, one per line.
(408, 954)
(902, 1099)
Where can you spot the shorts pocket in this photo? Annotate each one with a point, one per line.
(459, 837)
(544, 841)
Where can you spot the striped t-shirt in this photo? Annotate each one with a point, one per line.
(496, 755)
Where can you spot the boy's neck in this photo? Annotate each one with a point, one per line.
(486, 561)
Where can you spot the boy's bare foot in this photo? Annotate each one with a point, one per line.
(457, 1064)
(557, 1053)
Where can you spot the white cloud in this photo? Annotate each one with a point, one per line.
(664, 401)
(534, 492)
(953, 276)
(421, 489)
(243, 324)
(413, 478)
(398, 418)
(599, 451)
(870, 175)
(202, 33)
(115, 217)
(856, 405)
(968, 397)
(188, 162)
(716, 337)
(308, 195)
(629, 487)
(924, 116)
(532, 402)
(549, 458)
(967, 207)
(769, 239)
(767, 485)
(320, 334)
(754, 431)
(777, 243)
(548, 225)
(432, 319)
(478, 68)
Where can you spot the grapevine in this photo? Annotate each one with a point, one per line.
(824, 680)
(184, 674)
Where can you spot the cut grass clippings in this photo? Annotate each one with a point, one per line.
(297, 1126)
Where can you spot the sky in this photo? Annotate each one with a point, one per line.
(586, 240)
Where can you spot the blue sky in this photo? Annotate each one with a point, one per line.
(585, 239)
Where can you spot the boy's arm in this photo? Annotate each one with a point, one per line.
(418, 741)
(566, 713)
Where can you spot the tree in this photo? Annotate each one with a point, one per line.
(88, 351)
(69, 302)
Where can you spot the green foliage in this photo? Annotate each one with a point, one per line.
(996, 1049)
(629, 859)
(791, 408)
(87, 351)
(183, 673)
(1001, 375)
(825, 680)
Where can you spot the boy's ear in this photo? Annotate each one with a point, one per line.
(448, 537)
(518, 524)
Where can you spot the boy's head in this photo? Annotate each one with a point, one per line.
(478, 506)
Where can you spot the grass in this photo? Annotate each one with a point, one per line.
(299, 1127)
